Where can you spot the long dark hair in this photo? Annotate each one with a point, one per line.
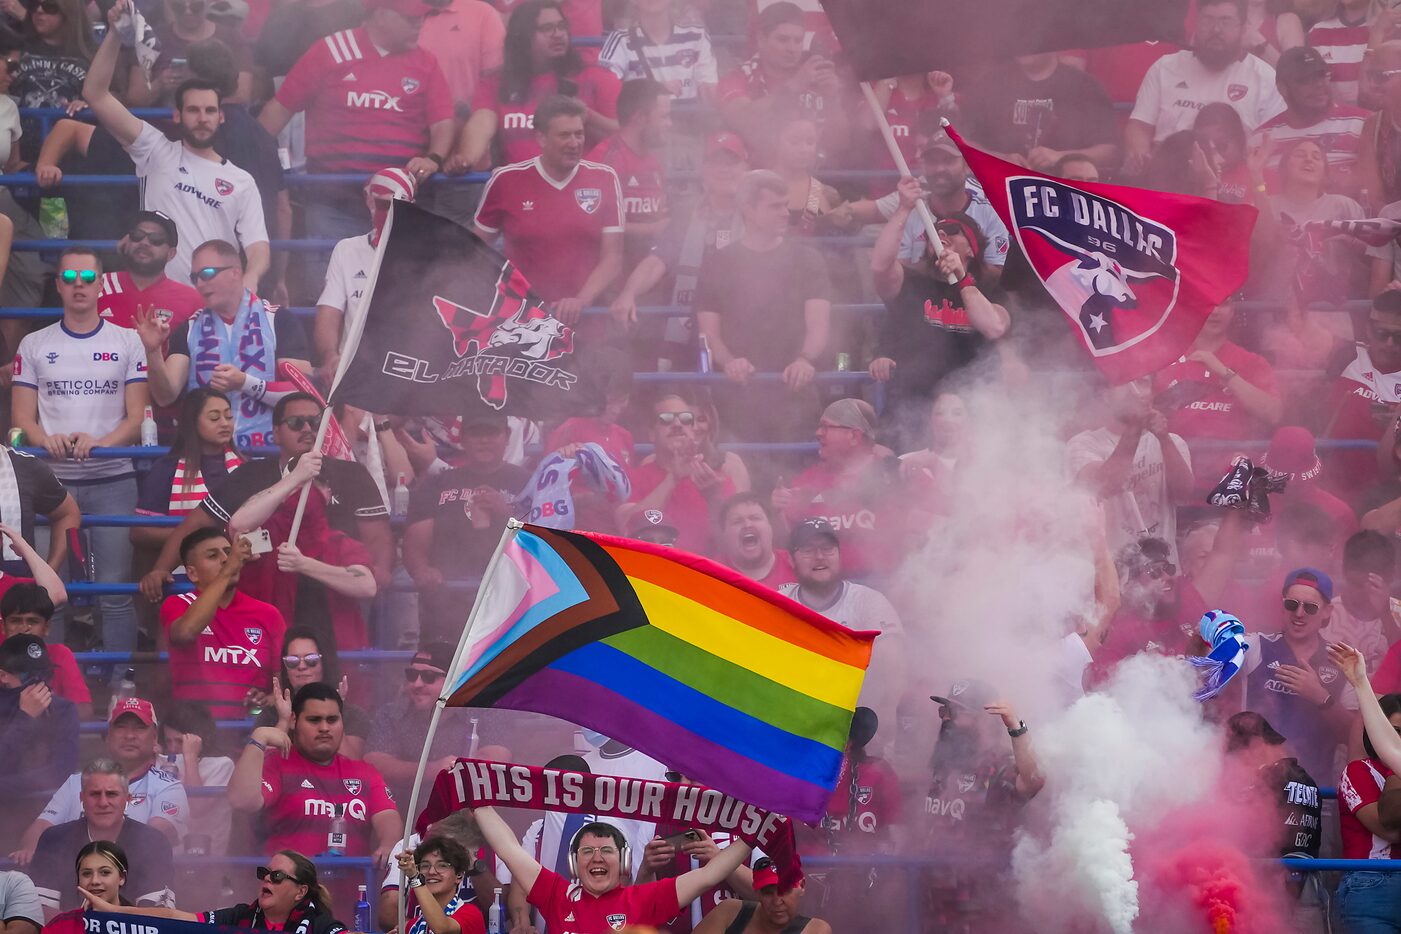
(330, 671)
(187, 444)
(109, 851)
(517, 64)
(1391, 706)
(76, 38)
(194, 717)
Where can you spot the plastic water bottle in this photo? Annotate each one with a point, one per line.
(400, 508)
(362, 909)
(335, 840)
(704, 354)
(126, 689)
(149, 437)
(493, 917)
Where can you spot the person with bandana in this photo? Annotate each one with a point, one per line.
(348, 274)
(235, 344)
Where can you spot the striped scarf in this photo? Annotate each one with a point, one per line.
(1226, 636)
(182, 498)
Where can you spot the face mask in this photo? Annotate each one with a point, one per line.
(592, 740)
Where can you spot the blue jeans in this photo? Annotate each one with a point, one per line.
(1370, 903)
(111, 555)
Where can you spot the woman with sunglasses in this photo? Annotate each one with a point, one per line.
(202, 452)
(289, 898)
(539, 61)
(101, 867)
(58, 46)
(302, 662)
(434, 871)
(1290, 680)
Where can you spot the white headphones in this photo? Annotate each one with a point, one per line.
(624, 851)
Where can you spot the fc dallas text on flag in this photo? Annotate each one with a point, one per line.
(451, 326)
(1136, 272)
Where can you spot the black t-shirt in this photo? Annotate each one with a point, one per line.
(292, 28)
(1298, 806)
(46, 78)
(759, 298)
(1068, 111)
(306, 918)
(100, 212)
(460, 549)
(39, 490)
(925, 330)
(354, 495)
(152, 865)
(291, 338)
(242, 140)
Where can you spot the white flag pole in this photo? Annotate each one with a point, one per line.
(891, 144)
(507, 536)
(349, 345)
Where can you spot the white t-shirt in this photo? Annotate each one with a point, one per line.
(207, 200)
(1178, 86)
(157, 794)
(1144, 508)
(684, 63)
(856, 607)
(10, 131)
(81, 380)
(979, 211)
(347, 278)
(210, 815)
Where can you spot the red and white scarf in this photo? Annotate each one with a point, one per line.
(183, 499)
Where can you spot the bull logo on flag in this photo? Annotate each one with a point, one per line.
(516, 331)
(1110, 267)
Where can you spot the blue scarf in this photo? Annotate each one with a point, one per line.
(255, 354)
(420, 926)
(1226, 636)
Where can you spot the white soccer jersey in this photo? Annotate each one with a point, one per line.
(157, 793)
(979, 211)
(1178, 86)
(347, 278)
(207, 200)
(684, 62)
(81, 380)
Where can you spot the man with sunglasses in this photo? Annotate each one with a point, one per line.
(81, 384)
(1365, 393)
(1289, 678)
(401, 726)
(304, 782)
(143, 290)
(221, 640)
(186, 179)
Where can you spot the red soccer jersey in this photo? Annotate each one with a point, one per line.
(687, 508)
(782, 571)
(867, 511)
(1361, 785)
(68, 681)
(1120, 68)
(365, 110)
(640, 174)
(236, 651)
(515, 120)
(568, 909)
(1210, 410)
(174, 302)
(300, 798)
(859, 812)
(553, 230)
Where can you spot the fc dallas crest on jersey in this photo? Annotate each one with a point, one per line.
(225, 188)
(1136, 272)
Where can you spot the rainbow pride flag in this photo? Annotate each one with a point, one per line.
(733, 685)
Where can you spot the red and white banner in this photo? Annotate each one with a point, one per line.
(1136, 272)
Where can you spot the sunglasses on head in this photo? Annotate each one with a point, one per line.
(140, 236)
(300, 422)
(296, 661)
(275, 876)
(672, 776)
(49, 7)
(1293, 605)
(71, 276)
(12, 65)
(685, 418)
(207, 273)
(762, 863)
(418, 674)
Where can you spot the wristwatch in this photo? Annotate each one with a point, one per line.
(1020, 730)
(1332, 699)
(382, 426)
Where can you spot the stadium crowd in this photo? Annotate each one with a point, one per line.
(714, 159)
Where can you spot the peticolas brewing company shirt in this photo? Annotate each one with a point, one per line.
(81, 381)
(300, 798)
(235, 652)
(568, 909)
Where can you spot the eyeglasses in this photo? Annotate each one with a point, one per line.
(813, 551)
(207, 273)
(275, 876)
(72, 276)
(1293, 605)
(550, 29)
(586, 852)
(140, 236)
(436, 867)
(300, 422)
(12, 65)
(1161, 570)
(418, 674)
(311, 659)
(49, 7)
(685, 418)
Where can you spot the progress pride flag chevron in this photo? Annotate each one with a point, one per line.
(476, 782)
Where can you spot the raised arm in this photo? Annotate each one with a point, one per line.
(186, 627)
(1380, 731)
(97, 87)
(525, 869)
(44, 575)
(261, 505)
(886, 270)
(693, 884)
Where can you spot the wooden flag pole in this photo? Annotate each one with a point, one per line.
(891, 144)
(507, 536)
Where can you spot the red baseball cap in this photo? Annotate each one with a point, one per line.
(726, 142)
(141, 709)
(765, 874)
(403, 7)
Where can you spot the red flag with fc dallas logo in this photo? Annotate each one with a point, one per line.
(1136, 272)
(450, 326)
